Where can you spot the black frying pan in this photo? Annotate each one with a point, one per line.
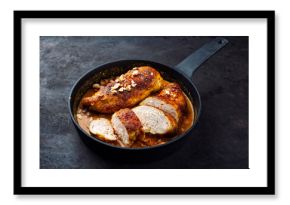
(181, 74)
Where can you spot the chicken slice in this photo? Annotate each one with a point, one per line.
(170, 100)
(102, 128)
(126, 91)
(127, 126)
(155, 121)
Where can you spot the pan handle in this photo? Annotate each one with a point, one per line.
(192, 62)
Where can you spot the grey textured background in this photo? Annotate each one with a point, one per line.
(220, 139)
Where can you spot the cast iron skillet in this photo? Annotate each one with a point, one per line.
(181, 74)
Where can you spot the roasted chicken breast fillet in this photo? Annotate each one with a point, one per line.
(171, 100)
(127, 126)
(126, 91)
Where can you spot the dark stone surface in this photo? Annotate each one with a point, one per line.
(220, 139)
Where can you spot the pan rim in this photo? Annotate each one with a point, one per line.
(175, 139)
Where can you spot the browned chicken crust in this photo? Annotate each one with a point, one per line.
(131, 122)
(173, 95)
(171, 99)
(126, 91)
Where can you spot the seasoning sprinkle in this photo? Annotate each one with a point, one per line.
(135, 72)
(133, 83)
(96, 85)
(115, 86)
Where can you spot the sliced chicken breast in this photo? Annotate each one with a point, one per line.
(155, 121)
(170, 100)
(102, 128)
(127, 126)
